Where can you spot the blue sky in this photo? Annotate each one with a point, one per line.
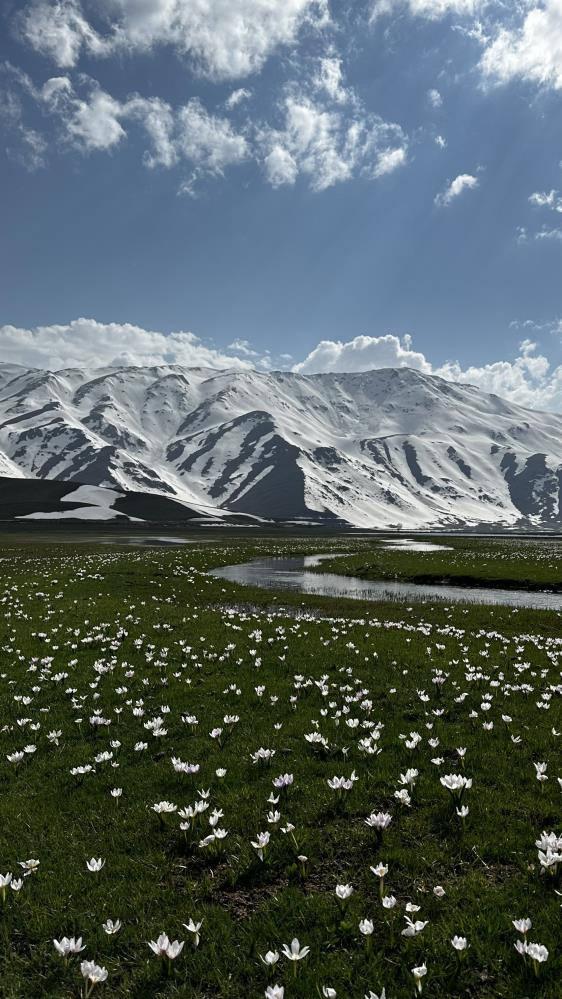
(239, 181)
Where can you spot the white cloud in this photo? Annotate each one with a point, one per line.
(328, 146)
(464, 182)
(528, 379)
(237, 97)
(329, 79)
(59, 30)
(206, 140)
(87, 343)
(531, 51)
(429, 9)
(363, 353)
(224, 39)
(323, 143)
(550, 199)
(434, 98)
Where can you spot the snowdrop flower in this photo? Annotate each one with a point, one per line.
(16, 884)
(94, 973)
(68, 945)
(418, 974)
(194, 928)
(462, 812)
(95, 864)
(116, 792)
(275, 992)
(111, 927)
(522, 925)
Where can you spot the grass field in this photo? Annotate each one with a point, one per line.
(121, 661)
(524, 563)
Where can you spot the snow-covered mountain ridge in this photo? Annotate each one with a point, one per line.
(376, 449)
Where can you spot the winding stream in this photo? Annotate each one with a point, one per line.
(294, 574)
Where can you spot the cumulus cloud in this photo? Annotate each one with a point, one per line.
(363, 353)
(223, 39)
(87, 343)
(327, 146)
(528, 379)
(530, 51)
(464, 182)
(323, 141)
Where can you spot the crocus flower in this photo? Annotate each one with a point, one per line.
(94, 973)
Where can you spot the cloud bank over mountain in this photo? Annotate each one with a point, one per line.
(528, 379)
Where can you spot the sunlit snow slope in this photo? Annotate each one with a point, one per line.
(376, 449)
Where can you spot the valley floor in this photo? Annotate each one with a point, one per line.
(176, 750)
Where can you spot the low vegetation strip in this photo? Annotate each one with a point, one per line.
(509, 563)
(206, 798)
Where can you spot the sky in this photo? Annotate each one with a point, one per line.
(317, 185)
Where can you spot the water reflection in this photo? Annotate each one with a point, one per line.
(294, 574)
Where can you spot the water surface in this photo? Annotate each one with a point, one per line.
(295, 574)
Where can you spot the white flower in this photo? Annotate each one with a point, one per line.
(274, 992)
(438, 891)
(95, 864)
(366, 927)
(270, 958)
(522, 925)
(388, 901)
(373, 995)
(328, 992)
(164, 808)
(164, 947)
(194, 928)
(93, 972)
(111, 927)
(295, 952)
(537, 952)
(418, 974)
(29, 866)
(344, 892)
(459, 943)
(69, 945)
(378, 820)
(261, 843)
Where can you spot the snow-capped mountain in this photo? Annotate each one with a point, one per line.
(375, 449)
